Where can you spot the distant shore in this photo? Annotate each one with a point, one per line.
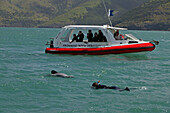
(129, 28)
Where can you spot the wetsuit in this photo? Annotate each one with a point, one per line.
(106, 87)
(112, 87)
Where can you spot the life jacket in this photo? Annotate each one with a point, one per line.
(121, 36)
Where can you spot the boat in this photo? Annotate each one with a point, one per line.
(122, 43)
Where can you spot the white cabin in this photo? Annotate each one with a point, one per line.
(65, 36)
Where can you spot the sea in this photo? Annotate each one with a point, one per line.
(26, 88)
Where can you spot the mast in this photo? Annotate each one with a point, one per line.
(107, 13)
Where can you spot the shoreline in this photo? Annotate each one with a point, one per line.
(61, 27)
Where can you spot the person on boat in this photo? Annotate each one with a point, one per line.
(101, 37)
(104, 39)
(95, 38)
(116, 35)
(90, 36)
(51, 44)
(81, 36)
(75, 38)
(96, 85)
(56, 74)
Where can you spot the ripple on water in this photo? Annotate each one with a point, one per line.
(26, 88)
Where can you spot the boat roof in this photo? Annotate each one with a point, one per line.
(94, 26)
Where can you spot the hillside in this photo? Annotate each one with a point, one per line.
(56, 13)
(93, 12)
(153, 15)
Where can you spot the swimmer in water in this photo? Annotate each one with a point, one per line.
(56, 74)
(96, 85)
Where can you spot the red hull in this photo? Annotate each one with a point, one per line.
(104, 50)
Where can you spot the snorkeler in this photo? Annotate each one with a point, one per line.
(56, 74)
(96, 85)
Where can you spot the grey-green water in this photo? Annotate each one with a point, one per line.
(24, 88)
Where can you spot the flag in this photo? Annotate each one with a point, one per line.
(111, 13)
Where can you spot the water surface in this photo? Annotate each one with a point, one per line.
(24, 86)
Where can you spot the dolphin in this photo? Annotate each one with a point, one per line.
(56, 74)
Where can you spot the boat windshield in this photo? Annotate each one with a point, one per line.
(64, 35)
(130, 37)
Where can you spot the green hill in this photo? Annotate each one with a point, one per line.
(92, 12)
(55, 13)
(154, 15)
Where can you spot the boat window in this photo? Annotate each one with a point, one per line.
(110, 33)
(117, 34)
(65, 35)
(76, 32)
(130, 37)
(85, 32)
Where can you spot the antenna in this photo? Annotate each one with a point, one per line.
(107, 13)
